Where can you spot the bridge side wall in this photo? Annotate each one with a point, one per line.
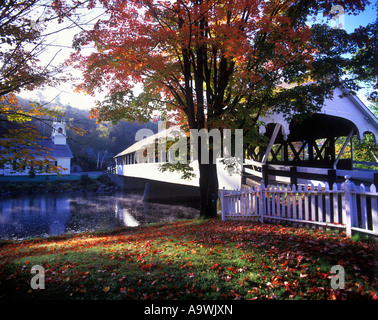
(159, 192)
(228, 179)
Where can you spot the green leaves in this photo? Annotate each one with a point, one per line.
(184, 169)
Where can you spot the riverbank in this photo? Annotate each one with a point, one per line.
(95, 182)
(193, 259)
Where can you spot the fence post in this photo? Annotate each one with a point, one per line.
(348, 206)
(261, 201)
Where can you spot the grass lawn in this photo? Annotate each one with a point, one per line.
(192, 259)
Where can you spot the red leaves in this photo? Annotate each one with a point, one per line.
(152, 43)
(148, 266)
(216, 266)
(181, 260)
(250, 258)
(232, 269)
(187, 265)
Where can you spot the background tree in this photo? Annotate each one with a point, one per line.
(24, 37)
(217, 63)
(364, 64)
(19, 146)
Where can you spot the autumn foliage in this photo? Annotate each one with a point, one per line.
(212, 63)
(192, 260)
(24, 38)
(20, 145)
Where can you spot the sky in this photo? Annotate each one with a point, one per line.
(61, 42)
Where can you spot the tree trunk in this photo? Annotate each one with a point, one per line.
(208, 190)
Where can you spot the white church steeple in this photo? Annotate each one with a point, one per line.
(58, 134)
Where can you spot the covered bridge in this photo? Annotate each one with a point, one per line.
(305, 151)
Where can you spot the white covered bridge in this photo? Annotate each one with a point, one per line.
(305, 151)
(297, 153)
(166, 186)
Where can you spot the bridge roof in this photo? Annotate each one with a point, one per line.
(337, 117)
(171, 132)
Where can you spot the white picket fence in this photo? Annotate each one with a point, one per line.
(353, 208)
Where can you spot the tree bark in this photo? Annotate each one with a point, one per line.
(208, 190)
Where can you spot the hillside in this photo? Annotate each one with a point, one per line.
(99, 144)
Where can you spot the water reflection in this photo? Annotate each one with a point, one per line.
(125, 216)
(46, 214)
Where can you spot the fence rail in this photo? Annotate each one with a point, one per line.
(300, 174)
(350, 207)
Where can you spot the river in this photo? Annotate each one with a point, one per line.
(41, 215)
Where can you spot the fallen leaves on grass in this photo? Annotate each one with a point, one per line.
(192, 260)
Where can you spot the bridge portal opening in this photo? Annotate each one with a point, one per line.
(316, 141)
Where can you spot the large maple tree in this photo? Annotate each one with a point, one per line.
(216, 63)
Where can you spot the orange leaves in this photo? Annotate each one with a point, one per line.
(159, 45)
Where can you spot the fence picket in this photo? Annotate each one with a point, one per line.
(237, 202)
(289, 202)
(256, 202)
(354, 215)
(283, 201)
(313, 204)
(294, 201)
(262, 201)
(348, 206)
(278, 195)
(233, 199)
(306, 203)
(268, 200)
(250, 203)
(363, 205)
(274, 201)
(335, 198)
(327, 203)
(320, 204)
(228, 202)
(300, 205)
(246, 193)
(242, 201)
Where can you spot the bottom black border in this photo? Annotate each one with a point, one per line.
(185, 309)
